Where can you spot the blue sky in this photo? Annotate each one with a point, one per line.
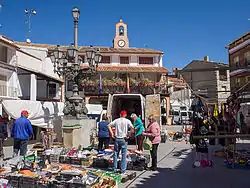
(184, 30)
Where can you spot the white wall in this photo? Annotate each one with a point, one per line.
(45, 66)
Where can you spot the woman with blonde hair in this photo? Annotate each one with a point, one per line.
(139, 128)
(154, 133)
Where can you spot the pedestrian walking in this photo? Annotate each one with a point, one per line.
(22, 132)
(121, 125)
(139, 129)
(154, 133)
(103, 133)
(3, 133)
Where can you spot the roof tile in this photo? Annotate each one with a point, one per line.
(102, 49)
(136, 69)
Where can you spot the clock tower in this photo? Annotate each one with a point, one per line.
(121, 37)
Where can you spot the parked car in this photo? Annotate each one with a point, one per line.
(176, 117)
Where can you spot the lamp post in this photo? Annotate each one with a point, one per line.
(29, 13)
(67, 64)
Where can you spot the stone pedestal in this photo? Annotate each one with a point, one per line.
(78, 132)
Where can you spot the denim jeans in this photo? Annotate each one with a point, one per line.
(20, 145)
(120, 145)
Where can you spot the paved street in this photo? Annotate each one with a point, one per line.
(175, 171)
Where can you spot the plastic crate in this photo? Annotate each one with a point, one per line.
(77, 185)
(75, 161)
(54, 158)
(58, 185)
(43, 185)
(64, 160)
(13, 181)
(101, 163)
(27, 182)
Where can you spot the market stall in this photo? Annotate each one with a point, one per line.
(60, 167)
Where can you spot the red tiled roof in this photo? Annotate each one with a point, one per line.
(101, 48)
(136, 69)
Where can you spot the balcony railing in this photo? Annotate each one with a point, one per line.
(9, 91)
(94, 89)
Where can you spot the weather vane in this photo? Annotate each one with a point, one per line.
(29, 13)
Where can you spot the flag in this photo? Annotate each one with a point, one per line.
(100, 83)
(128, 85)
(215, 111)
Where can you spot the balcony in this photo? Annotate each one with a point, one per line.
(118, 86)
(9, 91)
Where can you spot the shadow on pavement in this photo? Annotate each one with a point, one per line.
(181, 174)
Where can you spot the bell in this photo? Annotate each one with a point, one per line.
(121, 32)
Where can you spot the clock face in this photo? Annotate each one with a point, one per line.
(121, 43)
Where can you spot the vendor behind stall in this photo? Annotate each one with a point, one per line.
(22, 132)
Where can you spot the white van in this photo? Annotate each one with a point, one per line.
(184, 117)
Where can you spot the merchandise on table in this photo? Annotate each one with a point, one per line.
(60, 167)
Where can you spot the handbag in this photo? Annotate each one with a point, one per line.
(147, 144)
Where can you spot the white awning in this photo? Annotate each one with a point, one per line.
(41, 113)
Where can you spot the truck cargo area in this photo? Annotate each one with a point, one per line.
(130, 103)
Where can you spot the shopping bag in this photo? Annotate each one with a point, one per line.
(147, 145)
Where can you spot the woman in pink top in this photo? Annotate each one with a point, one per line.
(154, 133)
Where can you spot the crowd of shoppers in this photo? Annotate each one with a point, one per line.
(121, 135)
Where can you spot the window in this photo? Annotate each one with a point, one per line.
(224, 88)
(52, 90)
(146, 60)
(247, 58)
(175, 113)
(236, 61)
(3, 54)
(223, 75)
(183, 113)
(124, 60)
(105, 60)
(121, 31)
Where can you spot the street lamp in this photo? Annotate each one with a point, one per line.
(67, 64)
(29, 13)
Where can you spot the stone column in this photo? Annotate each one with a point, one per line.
(33, 87)
(62, 85)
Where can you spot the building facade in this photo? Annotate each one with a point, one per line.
(124, 69)
(239, 62)
(208, 79)
(24, 76)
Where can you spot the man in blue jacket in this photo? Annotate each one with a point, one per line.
(22, 132)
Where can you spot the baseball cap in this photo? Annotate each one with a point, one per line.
(25, 112)
(123, 112)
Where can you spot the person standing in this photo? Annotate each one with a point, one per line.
(154, 133)
(121, 136)
(22, 132)
(103, 133)
(3, 133)
(139, 128)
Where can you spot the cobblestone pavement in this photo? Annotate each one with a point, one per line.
(175, 171)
